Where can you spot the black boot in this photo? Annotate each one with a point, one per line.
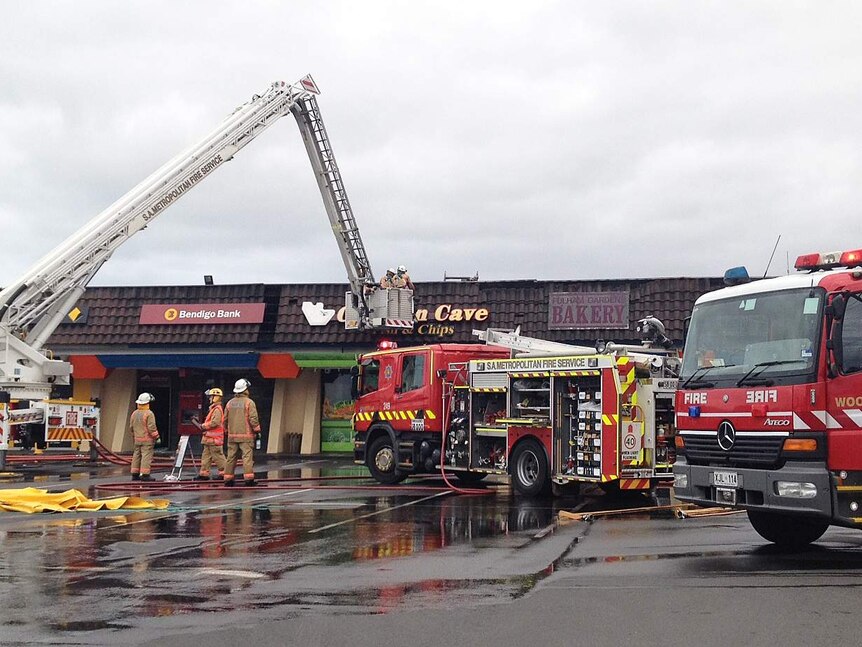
(229, 483)
(136, 477)
(249, 482)
(146, 477)
(202, 477)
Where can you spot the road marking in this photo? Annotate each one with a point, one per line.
(219, 572)
(372, 514)
(203, 509)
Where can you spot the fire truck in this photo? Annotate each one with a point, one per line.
(769, 409)
(541, 412)
(32, 306)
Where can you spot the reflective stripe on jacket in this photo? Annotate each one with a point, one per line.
(213, 426)
(241, 419)
(142, 424)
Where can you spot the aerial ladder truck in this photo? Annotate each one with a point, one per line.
(32, 306)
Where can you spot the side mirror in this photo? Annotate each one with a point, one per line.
(835, 342)
(839, 306)
(354, 382)
(441, 373)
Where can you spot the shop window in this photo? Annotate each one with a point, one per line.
(412, 373)
(337, 403)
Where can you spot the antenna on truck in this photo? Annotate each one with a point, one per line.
(771, 256)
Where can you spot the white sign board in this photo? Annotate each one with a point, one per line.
(632, 436)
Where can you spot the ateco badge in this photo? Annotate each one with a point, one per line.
(726, 436)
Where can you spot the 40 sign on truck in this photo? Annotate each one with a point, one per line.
(769, 408)
(561, 414)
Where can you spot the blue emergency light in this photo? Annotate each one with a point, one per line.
(736, 276)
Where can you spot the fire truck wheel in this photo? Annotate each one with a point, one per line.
(530, 469)
(382, 462)
(787, 531)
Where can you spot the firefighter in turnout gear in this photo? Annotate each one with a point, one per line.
(402, 279)
(242, 424)
(388, 279)
(213, 438)
(142, 425)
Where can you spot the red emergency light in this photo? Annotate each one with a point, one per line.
(852, 258)
(828, 260)
(386, 344)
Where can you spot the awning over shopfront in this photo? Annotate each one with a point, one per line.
(270, 365)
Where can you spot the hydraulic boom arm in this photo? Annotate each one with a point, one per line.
(33, 306)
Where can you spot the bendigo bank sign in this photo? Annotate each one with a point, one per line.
(201, 313)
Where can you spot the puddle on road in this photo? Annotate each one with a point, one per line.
(199, 557)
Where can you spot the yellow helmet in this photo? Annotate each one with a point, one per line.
(215, 391)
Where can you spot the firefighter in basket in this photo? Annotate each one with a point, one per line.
(213, 437)
(142, 425)
(388, 280)
(402, 279)
(243, 424)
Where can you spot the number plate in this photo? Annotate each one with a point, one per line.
(726, 479)
(417, 424)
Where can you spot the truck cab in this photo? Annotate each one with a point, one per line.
(769, 413)
(401, 405)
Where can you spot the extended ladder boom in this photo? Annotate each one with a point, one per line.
(32, 307)
(335, 200)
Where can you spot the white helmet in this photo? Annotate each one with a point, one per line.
(402, 269)
(391, 270)
(145, 398)
(241, 385)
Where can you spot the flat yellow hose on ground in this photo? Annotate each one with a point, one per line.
(32, 500)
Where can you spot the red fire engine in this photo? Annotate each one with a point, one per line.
(554, 413)
(769, 409)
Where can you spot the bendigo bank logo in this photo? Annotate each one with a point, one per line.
(171, 314)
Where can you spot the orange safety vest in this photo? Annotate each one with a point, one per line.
(238, 423)
(214, 432)
(143, 425)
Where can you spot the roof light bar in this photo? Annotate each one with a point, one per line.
(829, 260)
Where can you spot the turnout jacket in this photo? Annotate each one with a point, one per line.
(242, 420)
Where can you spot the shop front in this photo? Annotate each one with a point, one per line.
(176, 342)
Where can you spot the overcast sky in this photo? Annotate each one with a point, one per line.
(547, 140)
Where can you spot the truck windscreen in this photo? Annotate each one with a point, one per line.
(756, 339)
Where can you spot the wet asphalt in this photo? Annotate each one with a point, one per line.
(348, 562)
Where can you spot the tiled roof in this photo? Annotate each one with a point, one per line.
(114, 313)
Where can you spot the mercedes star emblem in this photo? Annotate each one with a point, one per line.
(726, 436)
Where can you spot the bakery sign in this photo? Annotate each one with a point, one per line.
(584, 310)
(201, 313)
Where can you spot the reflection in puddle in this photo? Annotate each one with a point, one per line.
(217, 551)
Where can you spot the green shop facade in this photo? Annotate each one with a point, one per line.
(290, 342)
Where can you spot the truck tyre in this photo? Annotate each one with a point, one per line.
(382, 462)
(787, 531)
(530, 475)
(469, 478)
